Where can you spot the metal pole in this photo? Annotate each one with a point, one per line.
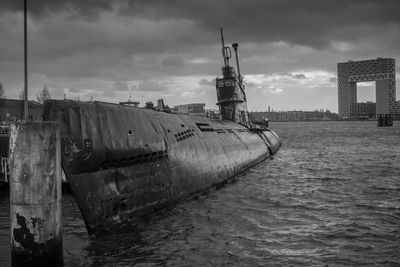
(235, 46)
(25, 63)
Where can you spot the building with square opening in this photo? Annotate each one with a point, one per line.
(380, 70)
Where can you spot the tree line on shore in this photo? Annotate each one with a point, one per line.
(43, 95)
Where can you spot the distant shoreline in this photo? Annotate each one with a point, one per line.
(319, 120)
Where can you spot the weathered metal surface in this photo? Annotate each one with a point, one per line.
(35, 194)
(4, 148)
(4, 139)
(4, 170)
(123, 162)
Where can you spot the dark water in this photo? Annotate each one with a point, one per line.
(330, 197)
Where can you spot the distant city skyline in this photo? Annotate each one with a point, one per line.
(111, 50)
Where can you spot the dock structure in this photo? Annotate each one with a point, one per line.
(35, 194)
(385, 120)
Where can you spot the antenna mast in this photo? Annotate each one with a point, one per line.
(226, 51)
(230, 89)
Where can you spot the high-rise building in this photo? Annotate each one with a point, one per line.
(367, 109)
(380, 70)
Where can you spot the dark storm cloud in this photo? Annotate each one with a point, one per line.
(82, 9)
(115, 39)
(91, 44)
(312, 23)
(307, 22)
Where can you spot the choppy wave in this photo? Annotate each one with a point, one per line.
(330, 197)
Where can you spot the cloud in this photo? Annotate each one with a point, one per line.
(305, 22)
(342, 46)
(83, 9)
(300, 76)
(188, 94)
(152, 86)
(174, 61)
(252, 85)
(206, 82)
(74, 90)
(108, 93)
(273, 90)
(332, 80)
(121, 86)
(91, 45)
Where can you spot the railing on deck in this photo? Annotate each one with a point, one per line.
(4, 129)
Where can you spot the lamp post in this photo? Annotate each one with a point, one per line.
(25, 64)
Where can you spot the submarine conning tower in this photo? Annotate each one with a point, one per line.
(230, 89)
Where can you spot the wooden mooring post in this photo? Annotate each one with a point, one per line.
(385, 120)
(35, 194)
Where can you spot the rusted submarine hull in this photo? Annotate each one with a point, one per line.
(4, 148)
(123, 162)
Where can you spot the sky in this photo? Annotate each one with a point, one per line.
(144, 50)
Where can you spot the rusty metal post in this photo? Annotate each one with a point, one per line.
(35, 194)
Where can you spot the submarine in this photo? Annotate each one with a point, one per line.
(124, 162)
